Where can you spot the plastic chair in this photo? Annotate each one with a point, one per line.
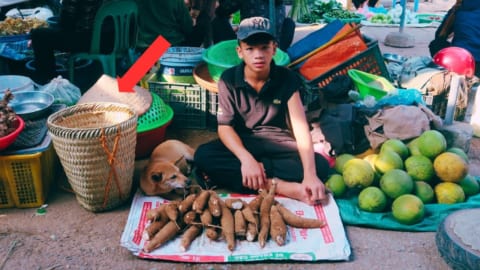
(124, 14)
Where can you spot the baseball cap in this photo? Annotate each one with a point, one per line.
(252, 26)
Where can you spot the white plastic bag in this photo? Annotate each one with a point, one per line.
(63, 91)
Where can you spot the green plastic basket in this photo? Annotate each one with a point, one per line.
(158, 115)
(223, 55)
(358, 19)
(370, 84)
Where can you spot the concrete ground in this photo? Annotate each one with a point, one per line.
(69, 237)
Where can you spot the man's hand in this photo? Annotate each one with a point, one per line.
(316, 192)
(253, 174)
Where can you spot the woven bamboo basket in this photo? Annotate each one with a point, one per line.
(95, 143)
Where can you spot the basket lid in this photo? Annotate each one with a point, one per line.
(106, 90)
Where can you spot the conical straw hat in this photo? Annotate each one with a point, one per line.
(106, 90)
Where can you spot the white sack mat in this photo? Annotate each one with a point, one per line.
(327, 243)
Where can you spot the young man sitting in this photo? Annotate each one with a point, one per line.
(262, 128)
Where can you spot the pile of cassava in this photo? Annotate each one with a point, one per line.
(230, 219)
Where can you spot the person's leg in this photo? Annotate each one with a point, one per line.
(477, 69)
(200, 33)
(43, 44)
(287, 33)
(45, 41)
(286, 167)
(217, 166)
(222, 30)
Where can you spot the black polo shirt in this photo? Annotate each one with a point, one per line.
(262, 114)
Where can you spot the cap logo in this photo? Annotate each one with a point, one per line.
(260, 24)
(253, 25)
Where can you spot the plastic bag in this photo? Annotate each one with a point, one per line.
(63, 91)
(402, 97)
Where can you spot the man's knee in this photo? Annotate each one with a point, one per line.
(200, 155)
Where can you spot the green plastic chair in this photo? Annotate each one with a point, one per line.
(124, 14)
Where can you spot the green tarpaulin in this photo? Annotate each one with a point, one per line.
(434, 214)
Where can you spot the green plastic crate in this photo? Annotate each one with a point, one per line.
(188, 101)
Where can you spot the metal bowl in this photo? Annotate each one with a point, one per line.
(396, 58)
(31, 104)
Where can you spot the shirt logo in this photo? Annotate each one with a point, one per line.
(277, 101)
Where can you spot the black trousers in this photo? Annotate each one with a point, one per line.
(280, 159)
(46, 41)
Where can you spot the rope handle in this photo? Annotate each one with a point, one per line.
(111, 161)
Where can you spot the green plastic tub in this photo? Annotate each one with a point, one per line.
(429, 17)
(223, 55)
(370, 84)
(360, 17)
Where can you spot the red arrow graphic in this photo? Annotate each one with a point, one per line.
(135, 73)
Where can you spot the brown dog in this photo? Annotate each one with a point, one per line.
(167, 169)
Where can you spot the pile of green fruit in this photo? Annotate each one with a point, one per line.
(381, 19)
(402, 177)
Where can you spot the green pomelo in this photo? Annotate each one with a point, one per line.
(372, 199)
(336, 185)
(371, 159)
(450, 167)
(432, 143)
(413, 147)
(470, 185)
(357, 173)
(341, 160)
(449, 193)
(396, 146)
(408, 209)
(395, 183)
(458, 151)
(424, 191)
(420, 168)
(388, 160)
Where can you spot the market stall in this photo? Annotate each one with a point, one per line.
(99, 155)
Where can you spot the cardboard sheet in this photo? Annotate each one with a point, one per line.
(327, 243)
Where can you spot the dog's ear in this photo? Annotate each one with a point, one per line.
(178, 160)
(157, 177)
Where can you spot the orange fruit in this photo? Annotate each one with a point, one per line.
(408, 209)
(341, 160)
(424, 191)
(396, 146)
(372, 199)
(449, 193)
(450, 167)
(470, 185)
(336, 184)
(396, 183)
(388, 160)
(432, 143)
(420, 168)
(357, 173)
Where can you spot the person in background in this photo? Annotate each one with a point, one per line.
(262, 128)
(363, 7)
(222, 29)
(460, 28)
(202, 12)
(364, 3)
(172, 20)
(73, 34)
